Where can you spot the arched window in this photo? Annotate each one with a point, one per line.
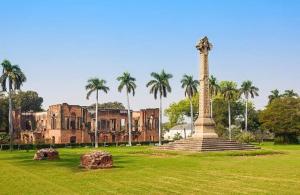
(53, 122)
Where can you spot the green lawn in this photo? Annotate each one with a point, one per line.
(144, 170)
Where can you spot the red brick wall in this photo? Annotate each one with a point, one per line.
(63, 121)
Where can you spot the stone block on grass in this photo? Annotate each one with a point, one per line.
(96, 160)
(46, 154)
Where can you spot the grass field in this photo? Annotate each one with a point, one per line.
(144, 170)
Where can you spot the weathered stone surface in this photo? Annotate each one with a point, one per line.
(204, 125)
(96, 160)
(206, 145)
(46, 154)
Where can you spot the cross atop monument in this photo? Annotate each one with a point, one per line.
(204, 46)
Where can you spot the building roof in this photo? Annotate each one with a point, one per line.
(181, 127)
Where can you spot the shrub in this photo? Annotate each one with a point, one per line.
(245, 137)
(177, 136)
(4, 138)
(286, 139)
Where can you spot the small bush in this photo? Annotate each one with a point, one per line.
(177, 136)
(245, 137)
(286, 139)
(4, 138)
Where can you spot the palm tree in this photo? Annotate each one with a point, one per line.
(160, 86)
(274, 95)
(247, 89)
(229, 92)
(96, 85)
(129, 83)
(214, 89)
(190, 86)
(12, 76)
(290, 93)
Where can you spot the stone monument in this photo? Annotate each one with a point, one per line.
(204, 125)
(205, 137)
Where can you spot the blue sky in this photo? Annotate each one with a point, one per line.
(61, 44)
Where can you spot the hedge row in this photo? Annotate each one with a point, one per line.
(77, 145)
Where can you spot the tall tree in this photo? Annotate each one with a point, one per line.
(160, 86)
(282, 117)
(27, 101)
(229, 93)
(214, 89)
(129, 83)
(190, 85)
(13, 77)
(274, 95)
(96, 85)
(290, 93)
(248, 90)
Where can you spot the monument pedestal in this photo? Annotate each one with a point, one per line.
(205, 128)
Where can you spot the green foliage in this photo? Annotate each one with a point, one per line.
(245, 137)
(214, 87)
(109, 105)
(177, 111)
(190, 85)
(290, 93)
(220, 114)
(247, 89)
(253, 118)
(275, 94)
(13, 74)
(96, 85)
(128, 82)
(4, 138)
(166, 126)
(27, 101)
(4, 114)
(282, 117)
(229, 91)
(286, 139)
(24, 100)
(177, 136)
(160, 84)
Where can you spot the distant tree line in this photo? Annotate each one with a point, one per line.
(109, 105)
(25, 101)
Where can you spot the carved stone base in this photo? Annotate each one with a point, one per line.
(205, 128)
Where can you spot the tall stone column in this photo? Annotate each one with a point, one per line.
(204, 125)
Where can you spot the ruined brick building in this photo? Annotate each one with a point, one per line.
(63, 123)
